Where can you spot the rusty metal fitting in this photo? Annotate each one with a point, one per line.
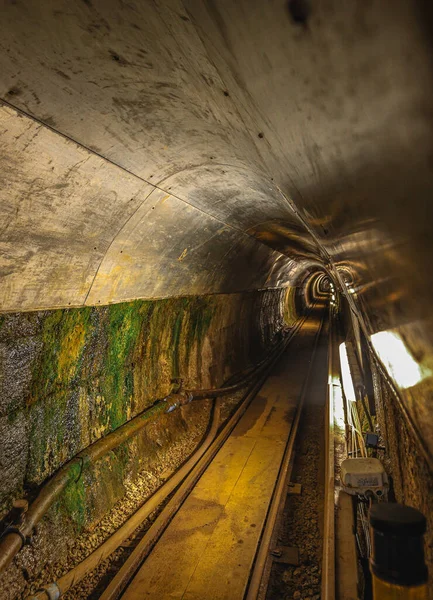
(178, 399)
(13, 529)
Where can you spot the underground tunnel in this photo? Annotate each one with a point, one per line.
(216, 342)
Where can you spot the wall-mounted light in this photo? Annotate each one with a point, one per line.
(346, 377)
(397, 359)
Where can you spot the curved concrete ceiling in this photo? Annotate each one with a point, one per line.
(162, 148)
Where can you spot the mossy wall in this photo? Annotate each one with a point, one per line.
(70, 376)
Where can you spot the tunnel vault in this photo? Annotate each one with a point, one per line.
(177, 169)
(161, 149)
(158, 149)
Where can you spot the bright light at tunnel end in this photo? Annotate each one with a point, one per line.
(397, 359)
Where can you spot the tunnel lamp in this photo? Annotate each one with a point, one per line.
(397, 360)
(338, 406)
(351, 290)
(346, 376)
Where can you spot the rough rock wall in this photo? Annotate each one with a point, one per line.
(404, 460)
(412, 482)
(70, 376)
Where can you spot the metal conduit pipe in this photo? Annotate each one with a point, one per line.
(16, 536)
(58, 588)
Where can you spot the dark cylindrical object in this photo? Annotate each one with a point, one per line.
(397, 558)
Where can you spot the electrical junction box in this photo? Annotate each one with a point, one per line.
(362, 475)
(371, 440)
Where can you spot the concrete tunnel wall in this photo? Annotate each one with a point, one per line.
(196, 148)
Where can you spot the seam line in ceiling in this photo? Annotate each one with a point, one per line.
(108, 160)
(122, 227)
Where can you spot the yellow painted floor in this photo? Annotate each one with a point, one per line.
(208, 549)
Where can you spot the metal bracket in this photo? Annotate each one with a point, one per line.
(294, 489)
(286, 555)
(25, 539)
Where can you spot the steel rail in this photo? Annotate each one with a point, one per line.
(262, 565)
(18, 534)
(328, 557)
(58, 588)
(125, 574)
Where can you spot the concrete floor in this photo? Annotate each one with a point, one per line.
(208, 549)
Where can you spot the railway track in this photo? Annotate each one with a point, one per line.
(214, 536)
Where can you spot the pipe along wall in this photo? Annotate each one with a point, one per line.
(72, 376)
